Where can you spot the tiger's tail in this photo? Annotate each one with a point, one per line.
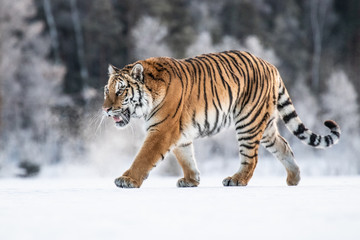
(293, 123)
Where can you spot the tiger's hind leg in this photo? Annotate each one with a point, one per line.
(247, 167)
(249, 136)
(248, 159)
(280, 148)
(185, 155)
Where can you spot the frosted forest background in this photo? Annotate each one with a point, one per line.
(53, 67)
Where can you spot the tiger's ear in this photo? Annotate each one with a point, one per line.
(137, 72)
(112, 70)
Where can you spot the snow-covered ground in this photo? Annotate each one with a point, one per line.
(45, 208)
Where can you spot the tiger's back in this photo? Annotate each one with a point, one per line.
(197, 97)
(213, 89)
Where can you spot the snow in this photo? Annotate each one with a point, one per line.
(65, 208)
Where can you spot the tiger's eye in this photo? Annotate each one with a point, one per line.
(119, 92)
(120, 87)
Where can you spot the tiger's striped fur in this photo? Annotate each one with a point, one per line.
(182, 100)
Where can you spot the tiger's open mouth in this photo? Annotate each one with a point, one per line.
(122, 119)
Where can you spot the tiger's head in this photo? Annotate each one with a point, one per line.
(125, 95)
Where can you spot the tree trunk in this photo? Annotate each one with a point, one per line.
(52, 29)
(318, 9)
(79, 41)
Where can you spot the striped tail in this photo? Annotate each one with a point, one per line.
(294, 124)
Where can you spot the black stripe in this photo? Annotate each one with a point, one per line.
(236, 66)
(257, 126)
(290, 116)
(254, 118)
(257, 73)
(270, 122)
(162, 68)
(313, 138)
(157, 108)
(248, 85)
(178, 106)
(193, 121)
(179, 69)
(154, 78)
(249, 137)
(327, 141)
(282, 105)
(185, 144)
(212, 76)
(218, 99)
(196, 124)
(336, 133)
(201, 76)
(257, 104)
(300, 130)
(249, 156)
(199, 71)
(226, 64)
(204, 65)
(282, 91)
(155, 124)
(255, 79)
(214, 89)
(271, 144)
(193, 73)
(247, 146)
(330, 139)
(251, 86)
(216, 119)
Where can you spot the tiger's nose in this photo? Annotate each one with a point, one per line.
(106, 109)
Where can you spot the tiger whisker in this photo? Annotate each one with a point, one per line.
(100, 123)
(95, 123)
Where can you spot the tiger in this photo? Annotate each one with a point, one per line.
(185, 99)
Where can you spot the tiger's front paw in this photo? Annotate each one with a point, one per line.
(183, 182)
(126, 182)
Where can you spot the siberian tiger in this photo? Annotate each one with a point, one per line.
(182, 100)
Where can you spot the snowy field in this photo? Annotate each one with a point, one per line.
(319, 208)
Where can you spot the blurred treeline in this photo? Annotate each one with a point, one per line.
(295, 30)
(91, 34)
(54, 56)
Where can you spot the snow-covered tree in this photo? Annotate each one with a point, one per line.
(340, 103)
(252, 44)
(30, 89)
(149, 36)
(202, 44)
